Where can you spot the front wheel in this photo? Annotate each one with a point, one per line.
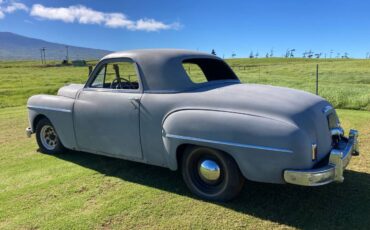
(47, 138)
(211, 174)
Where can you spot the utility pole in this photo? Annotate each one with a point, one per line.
(43, 52)
(67, 57)
(42, 57)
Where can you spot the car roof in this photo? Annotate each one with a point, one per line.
(163, 53)
(161, 70)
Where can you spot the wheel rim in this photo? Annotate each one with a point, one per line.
(206, 172)
(48, 137)
(209, 171)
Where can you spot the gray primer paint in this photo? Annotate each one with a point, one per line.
(266, 129)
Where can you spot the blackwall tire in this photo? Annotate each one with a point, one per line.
(211, 174)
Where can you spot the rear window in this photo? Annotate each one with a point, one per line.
(201, 70)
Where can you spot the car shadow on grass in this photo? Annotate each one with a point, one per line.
(345, 205)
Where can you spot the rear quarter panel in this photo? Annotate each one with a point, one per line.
(262, 147)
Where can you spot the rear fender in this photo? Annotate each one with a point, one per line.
(262, 147)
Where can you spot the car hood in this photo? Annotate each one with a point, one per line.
(70, 90)
(302, 109)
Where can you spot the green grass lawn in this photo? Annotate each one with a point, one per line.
(77, 190)
(345, 83)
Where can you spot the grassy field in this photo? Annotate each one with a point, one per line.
(77, 190)
(345, 83)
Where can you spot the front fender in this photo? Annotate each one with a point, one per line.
(59, 111)
(262, 147)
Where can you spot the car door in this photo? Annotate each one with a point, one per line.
(106, 111)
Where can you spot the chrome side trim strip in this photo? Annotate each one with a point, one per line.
(49, 108)
(229, 143)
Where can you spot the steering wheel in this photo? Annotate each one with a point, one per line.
(118, 83)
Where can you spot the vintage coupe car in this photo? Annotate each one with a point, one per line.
(188, 110)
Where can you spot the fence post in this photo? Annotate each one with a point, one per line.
(317, 79)
(90, 69)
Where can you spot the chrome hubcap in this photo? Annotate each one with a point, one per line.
(209, 170)
(48, 137)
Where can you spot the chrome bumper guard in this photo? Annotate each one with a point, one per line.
(338, 161)
(28, 132)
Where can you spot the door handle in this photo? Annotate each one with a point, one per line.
(135, 100)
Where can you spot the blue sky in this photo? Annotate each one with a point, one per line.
(226, 26)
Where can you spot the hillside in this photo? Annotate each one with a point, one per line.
(17, 47)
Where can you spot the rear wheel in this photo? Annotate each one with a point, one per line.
(211, 174)
(47, 138)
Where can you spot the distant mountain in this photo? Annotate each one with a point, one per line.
(17, 47)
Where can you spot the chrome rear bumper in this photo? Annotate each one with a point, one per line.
(338, 161)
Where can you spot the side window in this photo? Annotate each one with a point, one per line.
(117, 75)
(194, 72)
(201, 70)
(99, 80)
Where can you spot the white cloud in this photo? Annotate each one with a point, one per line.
(153, 25)
(83, 15)
(14, 6)
(71, 14)
(8, 7)
(117, 20)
